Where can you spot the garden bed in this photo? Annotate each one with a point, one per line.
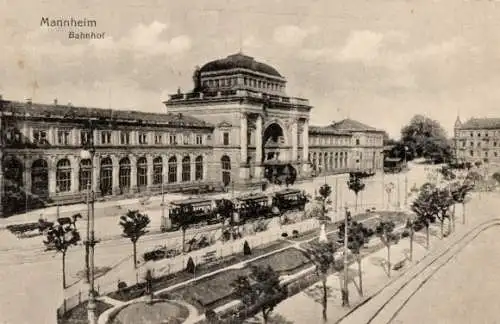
(156, 312)
(216, 290)
(79, 315)
(163, 282)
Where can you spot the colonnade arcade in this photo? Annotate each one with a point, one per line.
(45, 176)
(329, 161)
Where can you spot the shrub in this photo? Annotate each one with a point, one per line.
(496, 176)
(211, 316)
(121, 285)
(295, 233)
(405, 233)
(246, 249)
(284, 234)
(190, 267)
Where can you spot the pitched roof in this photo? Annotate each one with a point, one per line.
(65, 111)
(326, 130)
(481, 123)
(352, 125)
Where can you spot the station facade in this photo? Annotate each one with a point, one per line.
(237, 127)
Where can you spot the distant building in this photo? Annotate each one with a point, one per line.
(237, 127)
(477, 139)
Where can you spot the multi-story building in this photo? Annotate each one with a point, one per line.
(477, 139)
(236, 127)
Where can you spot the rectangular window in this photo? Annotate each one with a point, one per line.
(173, 139)
(199, 139)
(106, 137)
(40, 136)
(63, 137)
(471, 153)
(124, 138)
(158, 138)
(143, 138)
(225, 138)
(85, 136)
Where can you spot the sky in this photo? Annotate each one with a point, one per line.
(378, 61)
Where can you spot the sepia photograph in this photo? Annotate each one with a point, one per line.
(259, 161)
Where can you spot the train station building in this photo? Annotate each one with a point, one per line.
(237, 127)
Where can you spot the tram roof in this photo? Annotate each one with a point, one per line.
(287, 191)
(252, 197)
(191, 201)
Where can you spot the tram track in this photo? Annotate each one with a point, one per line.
(385, 313)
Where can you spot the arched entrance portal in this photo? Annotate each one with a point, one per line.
(273, 139)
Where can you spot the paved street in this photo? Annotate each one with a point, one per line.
(464, 291)
(33, 277)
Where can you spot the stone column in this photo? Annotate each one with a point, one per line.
(193, 168)
(305, 147)
(75, 168)
(116, 177)
(258, 147)
(25, 133)
(133, 174)
(96, 176)
(75, 137)
(179, 168)
(294, 140)
(244, 147)
(150, 171)
(52, 177)
(51, 136)
(243, 138)
(205, 167)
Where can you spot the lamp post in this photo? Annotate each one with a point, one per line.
(88, 153)
(345, 299)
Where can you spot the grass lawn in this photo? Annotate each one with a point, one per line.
(175, 278)
(78, 315)
(157, 312)
(216, 290)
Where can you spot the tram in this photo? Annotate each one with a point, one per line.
(206, 211)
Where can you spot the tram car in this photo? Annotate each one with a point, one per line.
(289, 200)
(253, 206)
(202, 211)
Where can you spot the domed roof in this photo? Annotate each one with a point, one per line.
(241, 61)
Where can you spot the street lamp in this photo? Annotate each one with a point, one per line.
(88, 152)
(345, 294)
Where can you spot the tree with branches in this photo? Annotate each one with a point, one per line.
(425, 209)
(60, 237)
(185, 217)
(322, 255)
(385, 231)
(442, 200)
(324, 193)
(356, 185)
(459, 194)
(357, 236)
(134, 226)
(261, 289)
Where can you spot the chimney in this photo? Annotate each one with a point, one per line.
(55, 102)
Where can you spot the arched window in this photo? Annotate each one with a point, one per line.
(124, 172)
(172, 170)
(157, 170)
(106, 176)
(63, 176)
(13, 174)
(226, 170)
(345, 160)
(341, 161)
(198, 167)
(186, 169)
(336, 160)
(330, 162)
(313, 161)
(40, 177)
(142, 172)
(85, 173)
